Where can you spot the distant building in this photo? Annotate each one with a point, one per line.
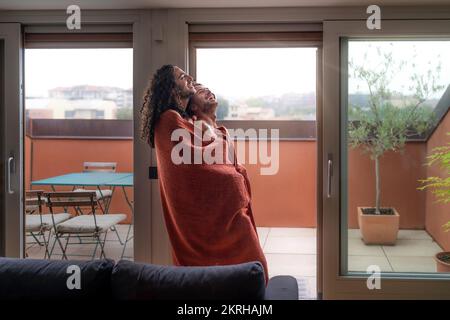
(70, 109)
(243, 112)
(39, 114)
(83, 109)
(37, 108)
(125, 100)
(121, 97)
(80, 102)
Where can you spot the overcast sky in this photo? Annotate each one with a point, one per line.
(49, 68)
(247, 72)
(230, 72)
(420, 56)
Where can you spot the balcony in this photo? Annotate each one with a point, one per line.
(286, 223)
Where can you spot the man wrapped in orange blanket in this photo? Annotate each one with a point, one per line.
(205, 193)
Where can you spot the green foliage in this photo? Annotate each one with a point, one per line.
(387, 127)
(256, 102)
(288, 105)
(390, 117)
(440, 186)
(223, 107)
(124, 113)
(384, 125)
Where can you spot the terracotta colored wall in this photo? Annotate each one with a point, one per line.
(437, 213)
(292, 191)
(399, 175)
(52, 157)
(288, 198)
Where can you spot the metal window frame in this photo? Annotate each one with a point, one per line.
(339, 284)
(12, 216)
(289, 130)
(146, 241)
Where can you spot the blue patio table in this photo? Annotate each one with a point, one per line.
(95, 179)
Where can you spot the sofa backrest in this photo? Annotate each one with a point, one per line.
(138, 281)
(101, 279)
(55, 279)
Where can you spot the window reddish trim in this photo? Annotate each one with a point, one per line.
(256, 36)
(30, 38)
(79, 128)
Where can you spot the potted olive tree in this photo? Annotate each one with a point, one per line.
(384, 123)
(440, 187)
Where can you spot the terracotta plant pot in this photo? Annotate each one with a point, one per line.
(378, 229)
(442, 266)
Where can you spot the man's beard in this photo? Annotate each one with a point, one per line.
(209, 106)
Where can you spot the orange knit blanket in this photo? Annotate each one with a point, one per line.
(207, 207)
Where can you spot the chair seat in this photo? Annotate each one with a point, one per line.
(43, 199)
(105, 193)
(86, 223)
(33, 221)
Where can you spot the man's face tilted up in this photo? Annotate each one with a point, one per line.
(204, 104)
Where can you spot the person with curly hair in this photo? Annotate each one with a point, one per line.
(207, 206)
(170, 89)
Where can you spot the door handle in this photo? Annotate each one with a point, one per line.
(10, 169)
(329, 175)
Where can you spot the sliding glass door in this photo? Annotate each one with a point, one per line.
(386, 148)
(79, 124)
(11, 89)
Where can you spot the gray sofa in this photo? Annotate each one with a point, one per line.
(126, 280)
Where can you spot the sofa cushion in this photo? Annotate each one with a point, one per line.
(44, 279)
(147, 282)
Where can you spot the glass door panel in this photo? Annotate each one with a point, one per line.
(386, 146)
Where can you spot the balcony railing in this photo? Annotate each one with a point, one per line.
(55, 147)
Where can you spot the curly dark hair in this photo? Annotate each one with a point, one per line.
(160, 95)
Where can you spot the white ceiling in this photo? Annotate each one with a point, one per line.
(136, 4)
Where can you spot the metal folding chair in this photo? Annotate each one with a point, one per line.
(90, 225)
(37, 223)
(104, 195)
